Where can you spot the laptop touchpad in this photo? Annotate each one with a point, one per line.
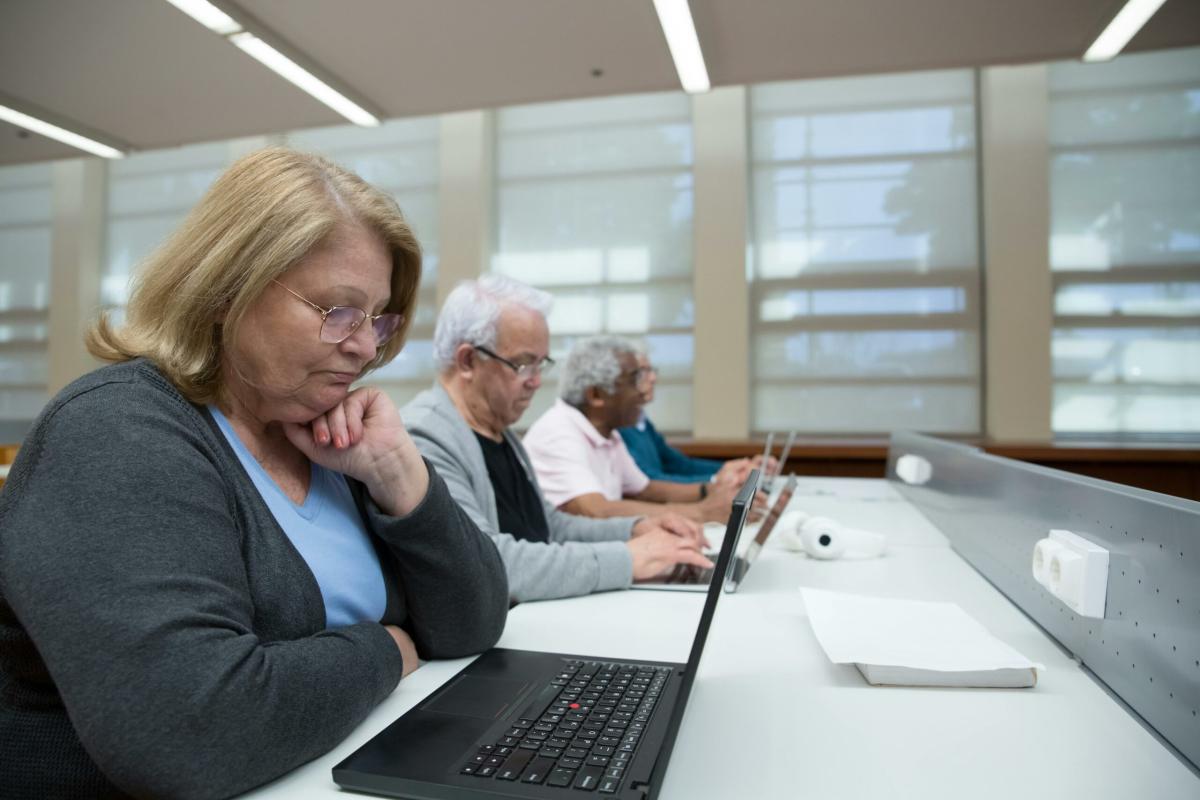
(472, 696)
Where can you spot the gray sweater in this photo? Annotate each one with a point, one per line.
(583, 555)
(160, 635)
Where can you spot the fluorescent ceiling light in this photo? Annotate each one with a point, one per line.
(217, 21)
(208, 15)
(286, 68)
(676, 20)
(63, 135)
(1128, 21)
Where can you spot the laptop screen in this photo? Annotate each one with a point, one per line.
(767, 449)
(776, 512)
(783, 457)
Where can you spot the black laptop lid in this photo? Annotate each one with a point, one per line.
(733, 530)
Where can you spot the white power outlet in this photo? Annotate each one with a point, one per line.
(913, 469)
(1075, 571)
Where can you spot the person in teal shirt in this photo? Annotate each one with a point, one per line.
(659, 460)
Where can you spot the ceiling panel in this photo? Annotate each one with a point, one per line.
(142, 72)
(19, 146)
(784, 39)
(419, 57)
(1176, 24)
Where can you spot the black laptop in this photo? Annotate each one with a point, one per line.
(525, 724)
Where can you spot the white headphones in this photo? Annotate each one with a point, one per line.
(824, 538)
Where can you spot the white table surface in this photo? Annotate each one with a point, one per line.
(771, 717)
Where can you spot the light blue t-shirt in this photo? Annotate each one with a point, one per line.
(328, 532)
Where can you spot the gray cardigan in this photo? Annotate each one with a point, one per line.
(584, 555)
(160, 635)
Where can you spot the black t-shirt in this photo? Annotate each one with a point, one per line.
(517, 503)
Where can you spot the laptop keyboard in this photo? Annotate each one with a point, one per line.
(686, 573)
(580, 731)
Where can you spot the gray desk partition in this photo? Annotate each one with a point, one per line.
(1146, 649)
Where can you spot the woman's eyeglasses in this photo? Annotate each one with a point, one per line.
(338, 323)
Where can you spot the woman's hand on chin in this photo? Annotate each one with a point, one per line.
(363, 437)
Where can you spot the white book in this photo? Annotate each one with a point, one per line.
(913, 642)
(1002, 678)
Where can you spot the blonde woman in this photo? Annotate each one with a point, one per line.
(216, 558)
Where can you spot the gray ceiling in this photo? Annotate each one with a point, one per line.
(142, 73)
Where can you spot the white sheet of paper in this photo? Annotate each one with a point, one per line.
(857, 629)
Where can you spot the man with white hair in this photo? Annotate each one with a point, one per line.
(491, 344)
(581, 461)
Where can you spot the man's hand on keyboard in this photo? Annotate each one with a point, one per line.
(659, 551)
(676, 524)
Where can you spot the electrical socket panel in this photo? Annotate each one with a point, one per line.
(913, 469)
(1073, 569)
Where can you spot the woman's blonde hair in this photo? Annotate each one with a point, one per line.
(266, 212)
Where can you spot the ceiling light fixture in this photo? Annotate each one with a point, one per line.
(676, 20)
(208, 15)
(256, 41)
(1124, 26)
(51, 131)
(283, 66)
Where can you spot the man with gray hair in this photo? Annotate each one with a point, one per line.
(581, 461)
(491, 344)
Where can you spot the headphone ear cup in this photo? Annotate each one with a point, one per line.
(822, 538)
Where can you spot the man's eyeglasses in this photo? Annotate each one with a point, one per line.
(338, 323)
(526, 369)
(638, 377)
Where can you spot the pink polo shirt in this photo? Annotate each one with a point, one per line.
(572, 459)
